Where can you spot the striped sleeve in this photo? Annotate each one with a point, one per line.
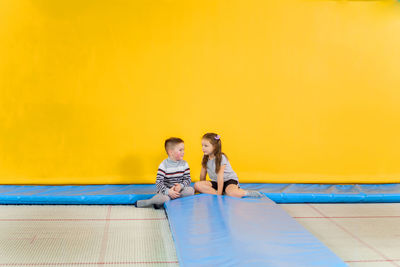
(160, 185)
(186, 176)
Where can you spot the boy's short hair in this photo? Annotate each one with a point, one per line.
(171, 142)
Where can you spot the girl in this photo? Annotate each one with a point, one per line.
(216, 164)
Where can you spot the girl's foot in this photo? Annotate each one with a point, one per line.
(253, 193)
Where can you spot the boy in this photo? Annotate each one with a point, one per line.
(173, 176)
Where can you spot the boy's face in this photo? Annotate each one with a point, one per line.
(177, 152)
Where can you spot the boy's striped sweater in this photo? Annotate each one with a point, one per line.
(170, 173)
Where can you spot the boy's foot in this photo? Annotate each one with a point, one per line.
(135, 204)
(159, 206)
(253, 193)
(141, 204)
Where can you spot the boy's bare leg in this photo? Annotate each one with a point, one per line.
(205, 187)
(158, 200)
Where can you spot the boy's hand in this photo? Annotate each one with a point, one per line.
(177, 187)
(173, 194)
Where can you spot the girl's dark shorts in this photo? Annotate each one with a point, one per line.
(226, 183)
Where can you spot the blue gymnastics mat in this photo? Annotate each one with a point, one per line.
(75, 194)
(128, 194)
(210, 230)
(329, 193)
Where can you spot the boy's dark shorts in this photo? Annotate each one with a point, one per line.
(226, 183)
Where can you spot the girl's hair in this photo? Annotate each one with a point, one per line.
(215, 141)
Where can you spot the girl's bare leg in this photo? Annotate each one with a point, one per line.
(205, 187)
(234, 191)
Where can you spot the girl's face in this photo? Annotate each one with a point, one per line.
(207, 147)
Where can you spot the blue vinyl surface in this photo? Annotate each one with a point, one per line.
(211, 230)
(329, 193)
(75, 194)
(128, 194)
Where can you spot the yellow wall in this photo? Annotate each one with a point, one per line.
(300, 91)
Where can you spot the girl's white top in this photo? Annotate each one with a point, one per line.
(229, 174)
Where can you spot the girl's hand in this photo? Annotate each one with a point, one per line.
(219, 189)
(220, 180)
(173, 194)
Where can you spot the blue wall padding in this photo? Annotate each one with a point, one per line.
(75, 194)
(328, 193)
(128, 194)
(211, 230)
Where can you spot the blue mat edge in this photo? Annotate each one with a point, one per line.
(128, 194)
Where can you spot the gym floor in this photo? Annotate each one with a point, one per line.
(89, 235)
